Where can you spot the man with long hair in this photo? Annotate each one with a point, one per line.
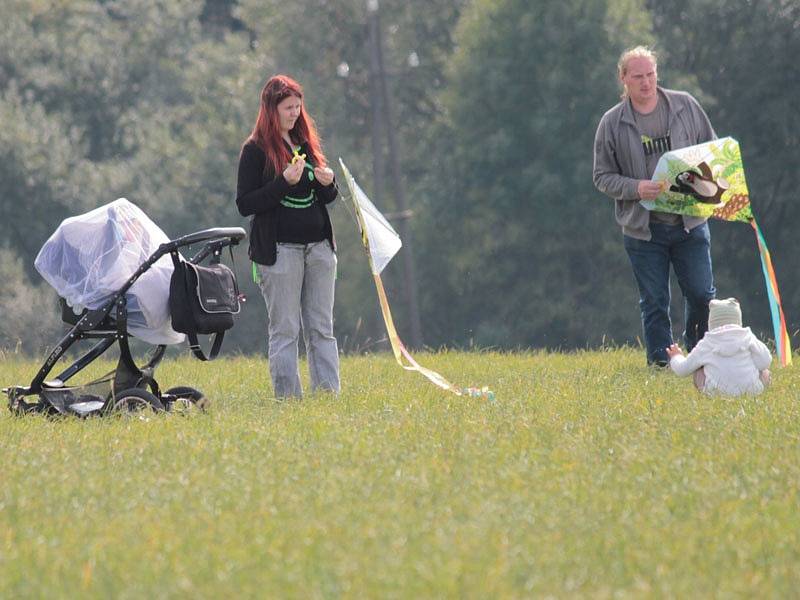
(630, 138)
(284, 185)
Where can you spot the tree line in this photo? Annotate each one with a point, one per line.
(494, 109)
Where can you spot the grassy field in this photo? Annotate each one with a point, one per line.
(588, 476)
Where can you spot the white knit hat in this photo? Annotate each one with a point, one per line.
(724, 312)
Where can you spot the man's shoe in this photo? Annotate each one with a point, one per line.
(658, 364)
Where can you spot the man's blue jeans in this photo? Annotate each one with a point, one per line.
(690, 256)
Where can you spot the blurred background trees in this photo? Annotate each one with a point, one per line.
(494, 108)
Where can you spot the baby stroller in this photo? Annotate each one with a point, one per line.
(128, 388)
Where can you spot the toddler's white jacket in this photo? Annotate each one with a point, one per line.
(731, 357)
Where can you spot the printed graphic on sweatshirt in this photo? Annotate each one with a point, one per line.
(291, 202)
(657, 145)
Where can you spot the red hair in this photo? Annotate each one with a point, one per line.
(267, 132)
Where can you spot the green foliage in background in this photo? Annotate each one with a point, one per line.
(495, 105)
(517, 229)
(588, 476)
(111, 99)
(29, 312)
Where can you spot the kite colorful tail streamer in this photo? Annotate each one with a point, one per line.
(782, 343)
(400, 352)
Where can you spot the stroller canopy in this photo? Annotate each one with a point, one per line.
(91, 256)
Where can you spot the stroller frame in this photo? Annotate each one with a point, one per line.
(108, 324)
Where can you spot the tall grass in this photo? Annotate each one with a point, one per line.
(589, 475)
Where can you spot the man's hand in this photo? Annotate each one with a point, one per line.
(324, 175)
(649, 190)
(294, 171)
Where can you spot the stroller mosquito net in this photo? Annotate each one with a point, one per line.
(91, 256)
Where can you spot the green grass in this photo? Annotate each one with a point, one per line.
(589, 475)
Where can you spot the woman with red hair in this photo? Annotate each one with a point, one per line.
(284, 185)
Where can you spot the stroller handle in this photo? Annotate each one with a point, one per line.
(234, 234)
(216, 239)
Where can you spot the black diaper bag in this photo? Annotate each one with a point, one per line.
(202, 300)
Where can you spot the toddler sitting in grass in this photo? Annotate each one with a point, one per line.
(729, 359)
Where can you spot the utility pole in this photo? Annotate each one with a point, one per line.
(379, 75)
(376, 103)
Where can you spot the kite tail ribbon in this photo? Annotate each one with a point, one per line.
(782, 343)
(381, 243)
(400, 353)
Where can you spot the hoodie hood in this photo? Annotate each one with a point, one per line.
(729, 339)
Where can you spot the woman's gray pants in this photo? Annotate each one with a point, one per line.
(298, 290)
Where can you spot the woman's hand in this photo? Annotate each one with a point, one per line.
(324, 175)
(294, 171)
(674, 351)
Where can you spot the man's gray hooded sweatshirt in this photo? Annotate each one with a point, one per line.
(619, 160)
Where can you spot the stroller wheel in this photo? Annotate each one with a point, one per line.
(186, 399)
(135, 400)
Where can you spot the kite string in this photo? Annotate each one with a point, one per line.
(349, 210)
